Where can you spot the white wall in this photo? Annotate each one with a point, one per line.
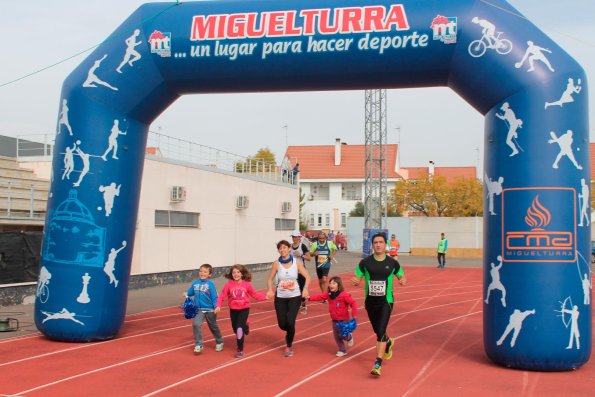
(42, 168)
(226, 235)
(423, 232)
(461, 232)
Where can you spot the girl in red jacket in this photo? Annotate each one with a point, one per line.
(339, 302)
(238, 291)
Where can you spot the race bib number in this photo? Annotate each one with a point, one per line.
(322, 259)
(287, 284)
(377, 288)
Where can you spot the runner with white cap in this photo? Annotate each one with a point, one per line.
(300, 250)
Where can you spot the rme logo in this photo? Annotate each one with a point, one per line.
(534, 228)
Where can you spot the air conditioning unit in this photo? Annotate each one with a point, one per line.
(286, 206)
(310, 197)
(177, 194)
(242, 202)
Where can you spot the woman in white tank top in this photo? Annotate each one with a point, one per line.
(288, 296)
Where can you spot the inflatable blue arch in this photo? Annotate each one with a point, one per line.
(537, 307)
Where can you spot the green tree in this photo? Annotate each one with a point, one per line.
(262, 161)
(434, 196)
(359, 210)
(465, 198)
(415, 196)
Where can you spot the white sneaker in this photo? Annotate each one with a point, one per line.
(219, 347)
(340, 353)
(350, 341)
(197, 349)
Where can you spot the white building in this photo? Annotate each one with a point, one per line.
(216, 216)
(332, 179)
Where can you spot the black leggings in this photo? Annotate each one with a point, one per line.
(379, 315)
(287, 310)
(239, 318)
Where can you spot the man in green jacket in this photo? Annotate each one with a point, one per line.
(442, 247)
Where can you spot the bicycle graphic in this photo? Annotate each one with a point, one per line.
(43, 292)
(479, 47)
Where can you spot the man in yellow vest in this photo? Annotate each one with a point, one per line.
(442, 247)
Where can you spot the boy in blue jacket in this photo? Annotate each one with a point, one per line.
(205, 298)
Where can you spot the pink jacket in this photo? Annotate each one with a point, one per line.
(238, 295)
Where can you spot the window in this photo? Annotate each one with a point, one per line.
(351, 191)
(327, 220)
(312, 220)
(343, 219)
(319, 220)
(320, 191)
(284, 224)
(176, 219)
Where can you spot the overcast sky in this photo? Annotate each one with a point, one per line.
(40, 33)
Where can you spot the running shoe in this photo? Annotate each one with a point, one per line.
(239, 354)
(350, 341)
(388, 352)
(197, 349)
(340, 353)
(247, 329)
(304, 308)
(288, 352)
(376, 369)
(219, 347)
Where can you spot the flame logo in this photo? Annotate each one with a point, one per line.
(537, 215)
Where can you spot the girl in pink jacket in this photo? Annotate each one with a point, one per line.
(238, 291)
(339, 302)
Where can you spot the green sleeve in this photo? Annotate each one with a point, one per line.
(332, 246)
(400, 273)
(313, 247)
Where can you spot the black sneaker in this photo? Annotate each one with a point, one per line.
(388, 351)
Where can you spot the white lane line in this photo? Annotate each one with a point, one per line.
(305, 380)
(232, 362)
(420, 377)
(299, 341)
(118, 364)
(20, 338)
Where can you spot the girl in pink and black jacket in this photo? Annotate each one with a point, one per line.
(238, 291)
(339, 302)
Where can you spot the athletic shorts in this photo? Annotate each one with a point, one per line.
(323, 271)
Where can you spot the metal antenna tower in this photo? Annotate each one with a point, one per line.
(375, 182)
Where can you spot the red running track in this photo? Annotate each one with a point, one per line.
(437, 320)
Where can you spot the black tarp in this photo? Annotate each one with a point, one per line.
(19, 256)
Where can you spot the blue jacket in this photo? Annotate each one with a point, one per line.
(205, 294)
